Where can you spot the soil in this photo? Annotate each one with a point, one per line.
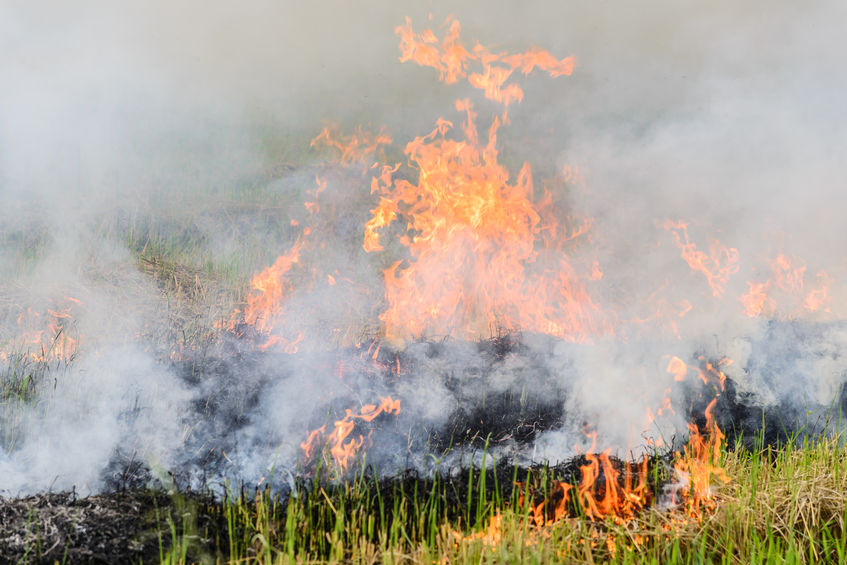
(121, 527)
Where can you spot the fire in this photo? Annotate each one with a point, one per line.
(336, 443)
(44, 337)
(264, 308)
(485, 252)
(786, 291)
(619, 496)
(677, 368)
(451, 59)
(264, 304)
(756, 301)
(490, 536)
(623, 490)
(717, 266)
(485, 247)
(699, 463)
(359, 146)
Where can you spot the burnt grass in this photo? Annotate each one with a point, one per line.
(119, 527)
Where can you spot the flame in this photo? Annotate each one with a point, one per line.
(484, 247)
(359, 146)
(264, 308)
(756, 301)
(619, 496)
(340, 448)
(785, 291)
(699, 463)
(485, 252)
(44, 337)
(717, 266)
(677, 368)
(817, 298)
(490, 536)
(623, 490)
(451, 59)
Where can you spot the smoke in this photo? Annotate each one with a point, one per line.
(186, 126)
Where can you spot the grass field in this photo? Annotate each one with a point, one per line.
(780, 506)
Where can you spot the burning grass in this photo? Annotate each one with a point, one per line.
(780, 505)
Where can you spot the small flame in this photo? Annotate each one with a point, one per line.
(623, 490)
(451, 59)
(41, 341)
(619, 496)
(340, 448)
(717, 266)
(360, 146)
(677, 368)
(756, 301)
(785, 292)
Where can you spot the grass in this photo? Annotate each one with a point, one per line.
(781, 505)
(21, 376)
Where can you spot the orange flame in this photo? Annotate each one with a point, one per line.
(42, 344)
(342, 450)
(786, 287)
(451, 59)
(264, 309)
(485, 252)
(699, 463)
(356, 147)
(756, 301)
(473, 235)
(486, 248)
(677, 368)
(611, 498)
(623, 490)
(717, 266)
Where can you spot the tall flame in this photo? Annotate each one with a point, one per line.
(484, 251)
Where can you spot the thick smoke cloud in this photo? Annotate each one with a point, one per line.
(729, 116)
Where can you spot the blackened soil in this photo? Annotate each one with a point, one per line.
(124, 527)
(49, 528)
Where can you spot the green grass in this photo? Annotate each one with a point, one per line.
(782, 505)
(21, 375)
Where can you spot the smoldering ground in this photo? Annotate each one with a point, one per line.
(123, 128)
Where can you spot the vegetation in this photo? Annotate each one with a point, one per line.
(782, 505)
